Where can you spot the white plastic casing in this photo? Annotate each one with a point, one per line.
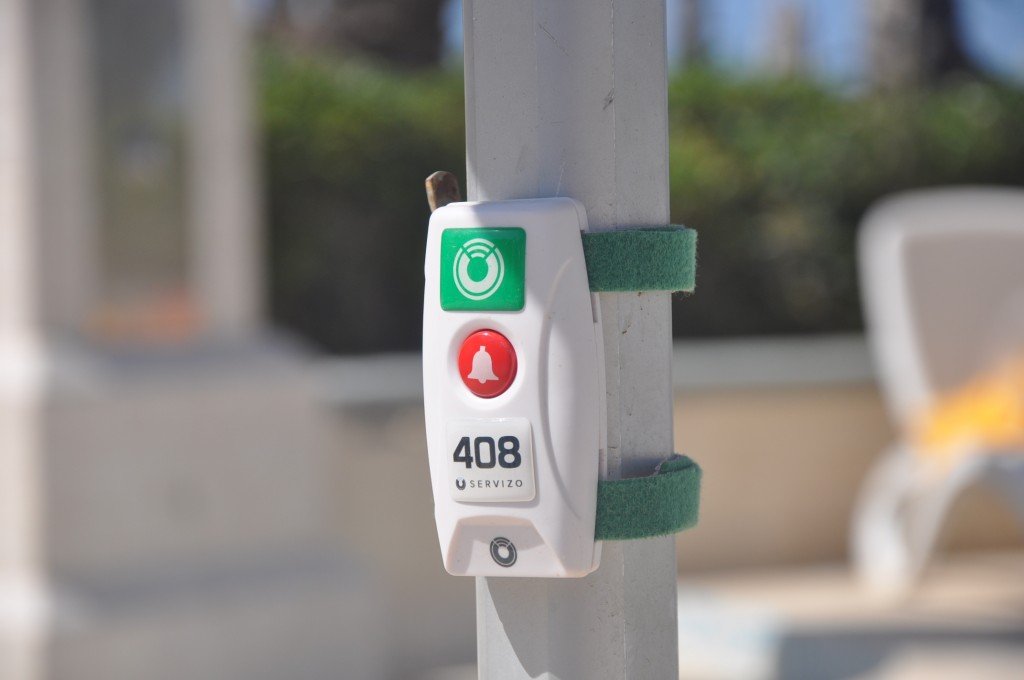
(557, 394)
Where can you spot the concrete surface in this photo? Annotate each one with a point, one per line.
(966, 621)
(813, 623)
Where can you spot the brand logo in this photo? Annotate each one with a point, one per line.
(460, 483)
(483, 269)
(503, 551)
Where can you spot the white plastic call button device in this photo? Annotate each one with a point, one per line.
(513, 388)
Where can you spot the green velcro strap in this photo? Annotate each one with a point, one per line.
(654, 259)
(664, 503)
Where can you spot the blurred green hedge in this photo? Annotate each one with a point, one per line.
(775, 175)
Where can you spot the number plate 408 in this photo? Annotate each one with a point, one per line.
(490, 460)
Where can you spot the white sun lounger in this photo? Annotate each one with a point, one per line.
(942, 275)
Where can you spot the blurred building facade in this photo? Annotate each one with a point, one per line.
(163, 463)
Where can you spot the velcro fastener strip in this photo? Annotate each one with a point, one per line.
(641, 507)
(643, 259)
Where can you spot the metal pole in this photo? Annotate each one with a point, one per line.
(568, 98)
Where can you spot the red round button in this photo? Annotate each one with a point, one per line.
(487, 363)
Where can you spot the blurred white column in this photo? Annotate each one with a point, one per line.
(224, 217)
(47, 211)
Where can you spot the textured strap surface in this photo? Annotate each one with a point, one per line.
(664, 503)
(654, 259)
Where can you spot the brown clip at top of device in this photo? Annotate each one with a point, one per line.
(442, 189)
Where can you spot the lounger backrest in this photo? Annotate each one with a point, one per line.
(942, 280)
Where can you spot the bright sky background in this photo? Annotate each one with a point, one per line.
(738, 34)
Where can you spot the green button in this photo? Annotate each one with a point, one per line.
(483, 269)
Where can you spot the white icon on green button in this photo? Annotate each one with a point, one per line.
(483, 269)
(479, 269)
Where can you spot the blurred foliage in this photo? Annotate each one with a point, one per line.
(347, 149)
(775, 175)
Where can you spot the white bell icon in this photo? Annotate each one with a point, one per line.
(483, 369)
